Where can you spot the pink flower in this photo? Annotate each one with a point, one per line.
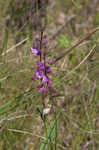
(53, 91)
(49, 84)
(40, 66)
(34, 77)
(45, 79)
(39, 75)
(41, 89)
(34, 51)
(37, 39)
(51, 62)
(48, 70)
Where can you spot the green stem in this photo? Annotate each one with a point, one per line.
(56, 130)
(46, 134)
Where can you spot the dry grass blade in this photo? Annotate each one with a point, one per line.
(85, 58)
(10, 49)
(82, 61)
(29, 133)
(77, 44)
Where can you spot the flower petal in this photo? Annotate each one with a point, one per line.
(49, 84)
(54, 91)
(45, 79)
(48, 70)
(41, 89)
(34, 77)
(51, 62)
(39, 75)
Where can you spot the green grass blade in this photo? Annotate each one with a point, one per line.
(51, 134)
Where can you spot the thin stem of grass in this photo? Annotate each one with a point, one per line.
(46, 134)
(56, 121)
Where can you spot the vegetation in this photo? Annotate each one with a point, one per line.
(63, 120)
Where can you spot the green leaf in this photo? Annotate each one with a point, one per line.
(63, 42)
(51, 133)
(5, 41)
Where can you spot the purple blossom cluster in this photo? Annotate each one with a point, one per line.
(43, 68)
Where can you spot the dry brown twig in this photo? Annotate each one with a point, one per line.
(76, 45)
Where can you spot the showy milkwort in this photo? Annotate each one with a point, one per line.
(43, 68)
(35, 51)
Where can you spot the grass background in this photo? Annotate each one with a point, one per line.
(73, 124)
